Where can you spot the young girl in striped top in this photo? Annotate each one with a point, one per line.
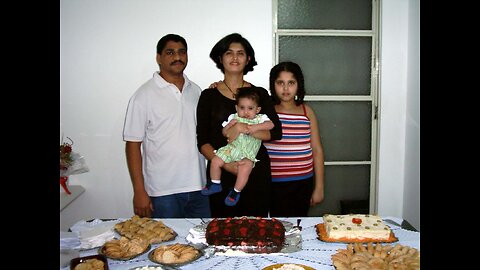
(297, 159)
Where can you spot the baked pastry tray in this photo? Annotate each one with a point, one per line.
(101, 251)
(151, 257)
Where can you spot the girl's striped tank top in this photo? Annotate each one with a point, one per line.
(291, 157)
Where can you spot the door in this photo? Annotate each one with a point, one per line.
(336, 44)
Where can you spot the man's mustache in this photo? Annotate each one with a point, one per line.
(177, 61)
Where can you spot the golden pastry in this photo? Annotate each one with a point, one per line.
(176, 253)
(90, 264)
(152, 230)
(358, 256)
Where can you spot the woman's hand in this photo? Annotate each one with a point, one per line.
(215, 84)
(235, 130)
(232, 167)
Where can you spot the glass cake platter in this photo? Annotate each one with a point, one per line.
(293, 242)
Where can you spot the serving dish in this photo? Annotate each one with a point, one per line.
(154, 230)
(76, 261)
(292, 243)
(376, 256)
(172, 237)
(101, 251)
(178, 249)
(322, 235)
(278, 265)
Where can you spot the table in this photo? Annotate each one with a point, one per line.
(314, 253)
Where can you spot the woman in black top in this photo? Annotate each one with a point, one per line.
(235, 57)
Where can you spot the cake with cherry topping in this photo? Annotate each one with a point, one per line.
(356, 226)
(268, 235)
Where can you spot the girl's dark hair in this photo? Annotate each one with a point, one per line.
(224, 44)
(248, 92)
(295, 69)
(170, 37)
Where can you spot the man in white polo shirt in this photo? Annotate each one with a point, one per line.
(166, 169)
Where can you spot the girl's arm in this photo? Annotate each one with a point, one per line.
(318, 158)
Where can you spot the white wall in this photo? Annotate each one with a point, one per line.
(107, 51)
(399, 154)
(411, 194)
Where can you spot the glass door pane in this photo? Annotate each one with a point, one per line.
(325, 14)
(345, 129)
(331, 65)
(343, 183)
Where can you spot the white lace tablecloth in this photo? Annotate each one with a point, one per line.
(314, 253)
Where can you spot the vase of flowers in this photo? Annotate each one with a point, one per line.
(70, 163)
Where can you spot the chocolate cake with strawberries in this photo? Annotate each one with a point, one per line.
(267, 235)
